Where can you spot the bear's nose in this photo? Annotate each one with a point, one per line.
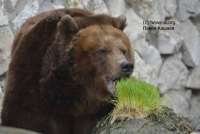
(126, 68)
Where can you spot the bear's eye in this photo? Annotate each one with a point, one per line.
(102, 51)
(124, 52)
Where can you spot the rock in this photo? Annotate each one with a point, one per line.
(12, 3)
(178, 100)
(150, 9)
(3, 17)
(97, 6)
(173, 74)
(166, 123)
(60, 4)
(170, 8)
(2, 81)
(1, 99)
(144, 8)
(85, 3)
(191, 46)
(13, 8)
(197, 5)
(76, 3)
(6, 39)
(134, 29)
(141, 71)
(11, 130)
(130, 2)
(191, 6)
(193, 81)
(29, 10)
(196, 21)
(170, 41)
(186, 8)
(195, 110)
(158, 11)
(151, 56)
(167, 44)
(116, 7)
(45, 6)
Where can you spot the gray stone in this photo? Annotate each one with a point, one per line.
(193, 81)
(196, 21)
(190, 5)
(170, 7)
(13, 8)
(98, 7)
(1, 100)
(75, 3)
(191, 46)
(150, 9)
(130, 2)
(170, 41)
(85, 3)
(45, 6)
(158, 13)
(3, 17)
(141, 71)
(173, 74)
(149, 53)
(6, 38)
(12, 3)
(144, 8)
(186, 8)
(60, 4)
(11, 130)
(197, 9)
(178, 100)
(31, 9)
(116, 7)
(2, 81)
(134, 29)
(195, 110)
(167, 44)
(151, 56)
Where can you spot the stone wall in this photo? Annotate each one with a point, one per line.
(169, 59)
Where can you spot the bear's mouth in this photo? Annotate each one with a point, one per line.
(112, 83)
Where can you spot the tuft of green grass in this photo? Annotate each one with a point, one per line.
(135, 99)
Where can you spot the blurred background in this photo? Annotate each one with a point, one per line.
(169, 59)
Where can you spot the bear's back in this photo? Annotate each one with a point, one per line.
(31, 43)
(51, 16)
(33, 39)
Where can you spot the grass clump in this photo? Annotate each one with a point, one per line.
(135, 99)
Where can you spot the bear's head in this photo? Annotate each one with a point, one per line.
(99, 53)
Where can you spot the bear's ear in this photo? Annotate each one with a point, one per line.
(67, 25)
(121, 22)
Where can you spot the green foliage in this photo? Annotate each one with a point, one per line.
(137, 98)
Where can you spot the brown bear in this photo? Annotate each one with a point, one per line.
(64, 64)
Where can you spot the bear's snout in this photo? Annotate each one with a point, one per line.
(126, 68)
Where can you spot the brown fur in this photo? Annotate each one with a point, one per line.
(56, 79)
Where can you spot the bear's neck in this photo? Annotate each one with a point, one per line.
(58, 87)
(60, 91)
